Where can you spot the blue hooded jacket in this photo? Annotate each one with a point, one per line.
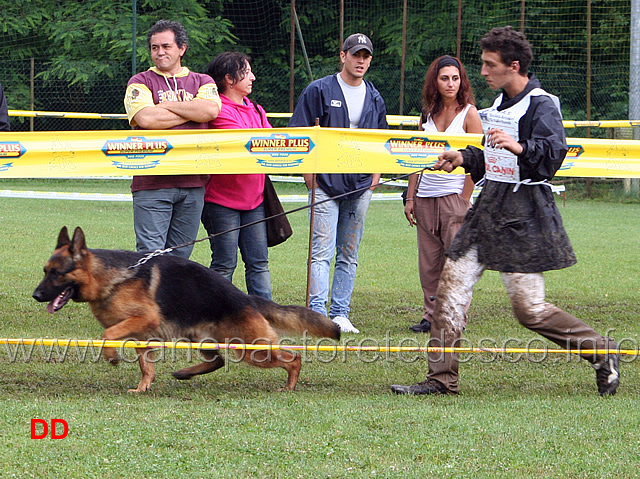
(323, 99)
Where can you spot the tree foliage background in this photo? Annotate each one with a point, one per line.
(82, 50)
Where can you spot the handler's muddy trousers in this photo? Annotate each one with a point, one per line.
(526, 292)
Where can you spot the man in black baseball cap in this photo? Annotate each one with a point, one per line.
(356, 42)
(342, 100)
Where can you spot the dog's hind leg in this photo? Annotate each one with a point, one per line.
(257, 330)
(147, 368)
(213, 360)
(278, 359)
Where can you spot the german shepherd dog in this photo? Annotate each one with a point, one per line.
(167, 298)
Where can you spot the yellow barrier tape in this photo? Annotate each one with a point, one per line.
(393, 120)
(601, 124)
(68, 114)
(103, 343)
(279, 150)
(412, 121)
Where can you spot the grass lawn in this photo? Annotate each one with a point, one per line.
(516, 417)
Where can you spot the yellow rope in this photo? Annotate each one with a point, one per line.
(131, 343)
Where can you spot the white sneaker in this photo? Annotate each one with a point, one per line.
(345, 325)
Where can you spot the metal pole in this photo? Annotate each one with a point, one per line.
(341, 33)
(292, 53)
(134, 33)
(32, 90)
(634, 80)
(634, 66)
(304, 49)
(403, 57)
(311, 221)
(310, 250)
(459, 31)
(588, 85)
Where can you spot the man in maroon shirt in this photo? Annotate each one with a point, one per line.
(167, 209)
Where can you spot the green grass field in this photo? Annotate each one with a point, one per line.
(516, 417)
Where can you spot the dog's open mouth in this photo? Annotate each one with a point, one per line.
(62, 299)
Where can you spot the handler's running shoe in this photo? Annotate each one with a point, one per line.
(423, 326)
(608, 374)
(345, 325)
(430, 386)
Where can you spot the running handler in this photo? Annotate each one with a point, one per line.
(514, 226)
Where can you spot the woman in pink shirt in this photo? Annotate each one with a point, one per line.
(235, 200)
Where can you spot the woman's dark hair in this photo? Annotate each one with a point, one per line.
(228, 63)
(431, 99)
(511, 44)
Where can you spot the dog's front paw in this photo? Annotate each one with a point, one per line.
(144, 385)
(137, 390)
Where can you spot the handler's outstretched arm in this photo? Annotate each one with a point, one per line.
(448, 161)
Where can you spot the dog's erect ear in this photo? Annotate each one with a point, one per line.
(78, 243)
(63, 238)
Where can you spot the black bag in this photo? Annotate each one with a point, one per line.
(278, 228)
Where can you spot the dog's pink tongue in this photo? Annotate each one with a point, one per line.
(59, 301)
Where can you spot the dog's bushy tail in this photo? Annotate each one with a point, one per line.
(297, 319)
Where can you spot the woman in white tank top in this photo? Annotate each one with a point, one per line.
(437, 203)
